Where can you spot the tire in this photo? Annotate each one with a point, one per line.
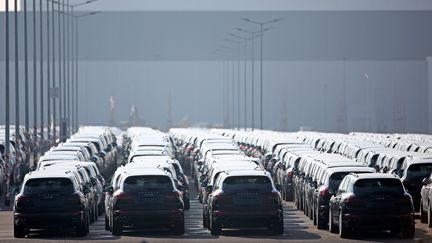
(187, 204)
(423, 214)
(332, 227)
(205, 221)
(215, 228)
(320, 222)
(106, 223)
(429, 215)
(81, 230)
(344, 232)
(117, 228)
(6, 200)
(179, 227)
(278, 228)
(19, 231)
(408, 232)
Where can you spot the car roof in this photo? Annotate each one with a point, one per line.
(374, 176)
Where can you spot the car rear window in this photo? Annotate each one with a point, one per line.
(419, 170)
(258, 183)
(367, 186)
(147, 183)
(336, 178)
(52, 185)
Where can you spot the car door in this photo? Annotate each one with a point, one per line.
(335, 201)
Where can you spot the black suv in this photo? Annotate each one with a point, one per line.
(50, 200)
(244, 199)
(146, 198)
(371, 201)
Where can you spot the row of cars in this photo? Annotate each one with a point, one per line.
(66, 187)
(149, 189)
(22, 145)
(235, 190)
(329, 183)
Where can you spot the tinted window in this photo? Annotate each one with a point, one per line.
(147, 183)
(419, 170)
(335, 180)
(366, 186)
(57, 185)
(261, 183)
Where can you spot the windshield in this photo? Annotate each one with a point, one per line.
(370, 186)
(419, 170)
(147, 183)
(237, 183)
(49, 185)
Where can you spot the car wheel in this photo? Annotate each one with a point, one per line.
(6, 201)
(332, 227)
(205, 221)
(81, 229)
(179, 227)
(187, 204)
(215, 228)
(106, 223)
(343, 230)
(19, 231)
(320, 222)
(117, 228)
(278, 227)
(423, 214)
(430, 215)
(408, 232)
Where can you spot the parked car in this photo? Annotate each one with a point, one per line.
(371, 201)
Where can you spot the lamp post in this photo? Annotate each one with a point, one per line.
(261, 26)
(17, 96)
(26, 81)
(68, 101)
(7, 104)
(232, 76)
(35, 128)
(237, 57)
(244, 39)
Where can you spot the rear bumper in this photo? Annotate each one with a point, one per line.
(247, 218)
(378, 221)
(49, 220)
(149, 218)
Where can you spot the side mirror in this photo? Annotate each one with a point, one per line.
(209, 189)
(94, 159)
(123, 163)
(86, 190)
(93, 181)
(314, 184)
(200, 162)
(16, 191)
(109, 190)
(204, 184)
(278, 187)
(179, 185)
(425, 181)
(102, 154)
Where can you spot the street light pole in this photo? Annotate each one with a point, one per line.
(261, 26)
(17, 96)
(41, 72)
(7, 104)
(245, 76)
(26, 84)
(53, 85)
(48, 74)
(35, 128)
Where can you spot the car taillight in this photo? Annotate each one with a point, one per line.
(22, 201)
(290, 173)
(274, 198)
(122, 197)
(174, 195)
(324, 192)
(219, 199)
(353, 201)
(406, 201)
